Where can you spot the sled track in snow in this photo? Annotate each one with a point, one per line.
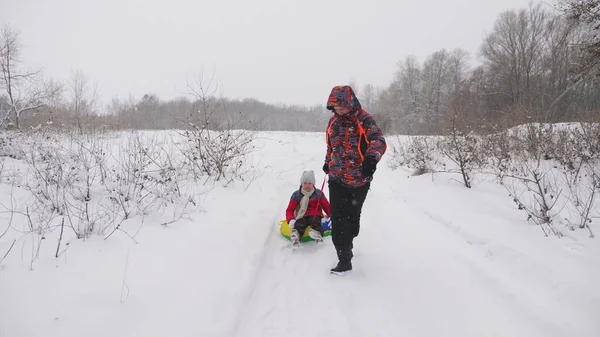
(252, 286)
(495, 278)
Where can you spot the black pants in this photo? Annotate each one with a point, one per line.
(313, 221)
(346, 206)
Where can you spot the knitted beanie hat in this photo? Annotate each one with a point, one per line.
(308, 177)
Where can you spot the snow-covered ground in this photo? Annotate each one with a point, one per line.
(433, 259)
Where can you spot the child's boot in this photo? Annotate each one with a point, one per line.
(315, 236)
(295, 238)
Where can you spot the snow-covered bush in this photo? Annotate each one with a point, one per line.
(217, 142)
(86, 185)
(547, 169)
(463, 149)
(578, 157)
(417, 153)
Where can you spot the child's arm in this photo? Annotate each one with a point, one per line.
(289, 212)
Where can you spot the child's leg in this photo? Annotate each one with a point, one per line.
(301, 225)
(315, 223)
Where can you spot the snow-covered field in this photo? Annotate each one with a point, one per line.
(433, 259)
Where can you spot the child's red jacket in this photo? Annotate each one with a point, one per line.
(315, 208)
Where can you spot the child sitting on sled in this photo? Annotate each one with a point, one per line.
(305, 209)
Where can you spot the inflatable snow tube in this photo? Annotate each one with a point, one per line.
(285, 230)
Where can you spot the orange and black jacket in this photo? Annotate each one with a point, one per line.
(350, 139)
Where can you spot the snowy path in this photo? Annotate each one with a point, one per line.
(412, 277)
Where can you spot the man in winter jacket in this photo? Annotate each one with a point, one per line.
(355, 145)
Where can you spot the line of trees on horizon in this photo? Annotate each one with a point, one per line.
(537, 65)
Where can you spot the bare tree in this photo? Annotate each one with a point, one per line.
(83, 97)
(367, 96)
(443, 74)
(586, 15)
(405, 96)
(435, 73)
(512, 53)
(24, 89)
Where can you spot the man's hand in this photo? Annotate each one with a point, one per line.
(369, 166)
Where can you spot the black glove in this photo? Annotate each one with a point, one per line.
(326, 168)
(369, 166)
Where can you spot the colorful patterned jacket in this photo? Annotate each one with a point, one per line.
(315, 208)
(350, 139)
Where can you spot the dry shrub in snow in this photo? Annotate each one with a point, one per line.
(527, 174)
(216, 154)
(217, 142)
(462, 148)
(578, 156)
(145, 177)
(7, 146)
(83, 185)
(496, 153)
(426, 154)
(417, 153)
(547, 169)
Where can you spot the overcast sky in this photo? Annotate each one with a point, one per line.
(276, 51)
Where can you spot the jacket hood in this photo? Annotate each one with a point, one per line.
(343, 96)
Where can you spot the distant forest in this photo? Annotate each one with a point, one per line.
(535, 65)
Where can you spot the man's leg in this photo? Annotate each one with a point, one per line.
(342, 231)
(359, 195)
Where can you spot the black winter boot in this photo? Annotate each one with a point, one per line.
(343, 268)
(344, 265)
